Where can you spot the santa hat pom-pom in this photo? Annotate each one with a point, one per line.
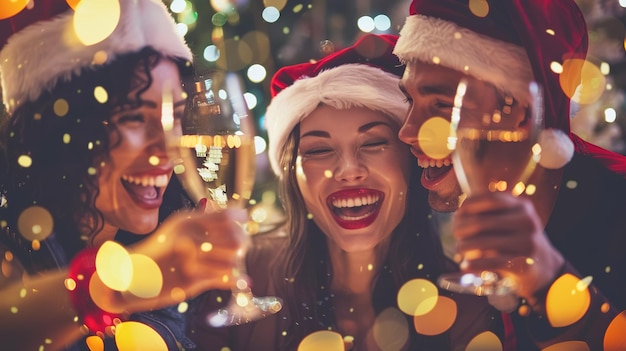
(557, 149)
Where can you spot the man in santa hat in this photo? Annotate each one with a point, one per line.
(575, 221)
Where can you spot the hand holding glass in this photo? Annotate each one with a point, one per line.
(494, 142)
(216, 162)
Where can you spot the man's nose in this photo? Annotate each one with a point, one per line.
(408, 133)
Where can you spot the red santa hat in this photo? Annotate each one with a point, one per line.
(49, 51)
(363, 75)
(508, 43)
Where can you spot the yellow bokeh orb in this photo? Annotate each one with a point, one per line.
(95, 343)
(322, 340)
(567, 301)
(12, 8)
(35, 223)
(582, 81)
(433, 137)
(417, 297)
(486, 341)
(391, 330)
(95, 20)
(439, 319)
(133, 336)
(114, 266)
(147, 279)
(568, 346)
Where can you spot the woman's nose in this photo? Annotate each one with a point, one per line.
(155, 138)
(350, 169)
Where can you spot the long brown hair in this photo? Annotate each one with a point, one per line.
(306, 272)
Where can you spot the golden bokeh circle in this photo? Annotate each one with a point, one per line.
(35, 223)
(433, 137)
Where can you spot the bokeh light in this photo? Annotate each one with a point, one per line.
(222, 5)
(610, 115)
(391, 330)
(366, 24)
(614, 337)
(114, 266)
(417, 297)
(95, 343)
(211, 53)
(182, 29)
(95, 20)
(480, 8)
(73, 3)
(567, 301)
(439, 319)
(433, 137)
(260, 145)
(12, 8)
(24, 161)
(98, 292)
(178, 6)
(251, 100)
(132, 336)
(582, 81)
(568, 346)
(147, 279)
(61, 107)
(382, 23)
(100, 94)
(278, 4)
(256, 73)
(270, 14)
(485, 341)
(322, 340)
(35, 223)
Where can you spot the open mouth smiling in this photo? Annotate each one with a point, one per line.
(355, 208)
(146, 189)
(433, 169)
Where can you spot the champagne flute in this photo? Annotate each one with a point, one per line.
(494, 142)
(216, 162)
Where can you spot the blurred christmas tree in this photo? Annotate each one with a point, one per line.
(603, 121)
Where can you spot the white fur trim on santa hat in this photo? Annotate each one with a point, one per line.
(342, 87)
(36, 58)
(557, 149)
(436, 41)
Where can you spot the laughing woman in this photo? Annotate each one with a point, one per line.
(83, 158)
(358, 224)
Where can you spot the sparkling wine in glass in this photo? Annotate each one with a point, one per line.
(494, 142)
(217, 162)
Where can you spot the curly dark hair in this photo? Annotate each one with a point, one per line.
(65, 133)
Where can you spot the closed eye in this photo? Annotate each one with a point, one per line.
(316, 152)
(376, 144)
(134, 118)
(443, 104)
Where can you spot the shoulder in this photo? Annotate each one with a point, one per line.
(263, 256)
(265, 246)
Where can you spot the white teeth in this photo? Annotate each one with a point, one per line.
(356, 201)
(158, 181)
(346, 218)
(434, 163)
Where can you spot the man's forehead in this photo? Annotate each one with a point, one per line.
(420, 74)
